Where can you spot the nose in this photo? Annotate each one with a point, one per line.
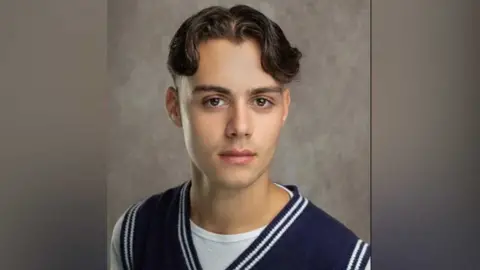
(239, 124)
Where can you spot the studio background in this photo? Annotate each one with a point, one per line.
(325, 145)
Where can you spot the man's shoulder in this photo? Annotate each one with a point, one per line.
(152, 203)
(167, 196)
(328, 236)
(162, 198)
(136, 220)
(324, 224)
(318, 224)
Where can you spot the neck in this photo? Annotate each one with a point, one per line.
(231, 211)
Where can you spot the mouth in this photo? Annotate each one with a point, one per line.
(237, 156)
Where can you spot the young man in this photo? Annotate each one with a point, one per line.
(230, 69)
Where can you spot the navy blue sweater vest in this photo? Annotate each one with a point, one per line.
(156, 235)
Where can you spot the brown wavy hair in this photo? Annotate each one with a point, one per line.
(237, 24)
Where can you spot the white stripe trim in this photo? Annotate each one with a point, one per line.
(360, 258)
(354, 254)
(185, 238)
(282, 231)
(272, 232)
(368, 267)
(182, 231)
(126, 236)
(134, 217)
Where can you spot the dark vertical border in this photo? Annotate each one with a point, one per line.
(52, 134)
(425, 140)
(371, 123)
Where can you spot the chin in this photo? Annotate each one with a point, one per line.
(236, 180)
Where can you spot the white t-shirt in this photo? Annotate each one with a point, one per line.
(218, 251)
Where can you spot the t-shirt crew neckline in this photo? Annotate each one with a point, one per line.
(229, 238)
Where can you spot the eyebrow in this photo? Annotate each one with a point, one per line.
(226, 91)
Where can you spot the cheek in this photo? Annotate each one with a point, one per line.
(268, 131)
(206, 131)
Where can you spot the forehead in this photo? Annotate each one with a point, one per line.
(236, 66)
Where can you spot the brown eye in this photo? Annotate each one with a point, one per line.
(262, 102)
(213, 102)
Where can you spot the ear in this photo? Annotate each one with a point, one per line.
(172, 104)
(286, 104)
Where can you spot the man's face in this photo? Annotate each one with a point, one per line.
(231, 113)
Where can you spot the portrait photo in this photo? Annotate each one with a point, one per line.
(239, 135)
(274, 90)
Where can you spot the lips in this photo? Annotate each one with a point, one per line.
(237, 153)
(237, 156)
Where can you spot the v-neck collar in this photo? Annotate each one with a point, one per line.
(259, 247)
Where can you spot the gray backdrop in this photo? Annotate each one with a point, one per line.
(425, 147)
(324, 148)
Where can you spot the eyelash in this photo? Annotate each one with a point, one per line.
(266, 100)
